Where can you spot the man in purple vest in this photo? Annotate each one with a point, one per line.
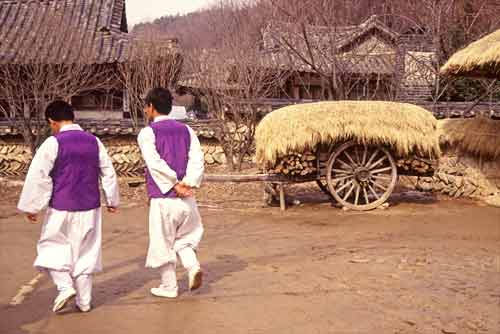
(174, 166)
(64, 179)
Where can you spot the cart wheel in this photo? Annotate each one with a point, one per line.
(361, 177)
(323, 185)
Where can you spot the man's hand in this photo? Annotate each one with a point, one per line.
(183, 190)
(112, 209)
(32, 218)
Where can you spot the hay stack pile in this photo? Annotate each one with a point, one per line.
(286, 138)
(479, 136)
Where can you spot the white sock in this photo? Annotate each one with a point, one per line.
(62, 279)
(168, 277)
(189, 259)
(83, 285)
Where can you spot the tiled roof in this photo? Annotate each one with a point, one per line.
(203, 128)
(355, 64)
(282, 42)
(62, 31)
(323, 37)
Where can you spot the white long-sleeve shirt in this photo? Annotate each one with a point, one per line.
(162, 174)
(37, 190)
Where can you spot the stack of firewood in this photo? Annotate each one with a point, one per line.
(415, 165)
(296, 164)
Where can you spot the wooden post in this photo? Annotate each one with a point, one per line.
(125, 104)
(282, 196)
(296, 92)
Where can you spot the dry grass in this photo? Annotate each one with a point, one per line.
(478, 136)
(404, 127)
(481, 58)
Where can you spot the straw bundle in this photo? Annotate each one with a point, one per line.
(481, 59)
(404, 127)
(478, 136)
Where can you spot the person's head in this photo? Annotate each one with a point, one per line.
(158, 102)
(59, 113)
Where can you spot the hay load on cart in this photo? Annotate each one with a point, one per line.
(354, 150)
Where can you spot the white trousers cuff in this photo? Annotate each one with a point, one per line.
(168, 277)
(62, 279)
(83, 285)
(189, 259)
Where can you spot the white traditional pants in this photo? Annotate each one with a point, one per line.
(175, 228)
(82, 284)
(70, 250)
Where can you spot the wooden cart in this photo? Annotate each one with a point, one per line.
(357, 176)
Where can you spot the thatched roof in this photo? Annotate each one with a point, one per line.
(478, 136)
(479, 59)
(404, 127)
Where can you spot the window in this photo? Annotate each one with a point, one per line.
(98, 101)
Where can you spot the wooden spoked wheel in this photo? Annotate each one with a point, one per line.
(323, 185)
(361, 177)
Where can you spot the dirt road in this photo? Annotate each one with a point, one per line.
(422, 266)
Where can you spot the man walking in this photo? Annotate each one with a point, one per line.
(174, 166)
(64, 178)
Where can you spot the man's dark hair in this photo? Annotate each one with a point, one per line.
(161, 99)
(59, 111)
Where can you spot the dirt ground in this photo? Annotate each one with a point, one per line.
(425, 265)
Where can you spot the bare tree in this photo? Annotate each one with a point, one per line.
(446, 26)
(312, 38)
(28, 83)
(314, 35)
(232, 79)
(26, 90)
(155, 62)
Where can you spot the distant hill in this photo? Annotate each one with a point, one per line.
(194, 30)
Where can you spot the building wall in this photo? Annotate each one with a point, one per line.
(98, 115)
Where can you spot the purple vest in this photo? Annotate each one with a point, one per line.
(75, 175)
(172, 141)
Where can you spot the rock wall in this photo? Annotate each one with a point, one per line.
(458, 175)
(214, 154)
(15, 157)
(464, 176)
(126, 156)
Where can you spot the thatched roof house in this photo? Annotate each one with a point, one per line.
(480, 59)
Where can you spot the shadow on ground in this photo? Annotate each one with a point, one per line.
(37, 307)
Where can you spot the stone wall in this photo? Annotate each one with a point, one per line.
(214, 154)
(15, 157)
(458, 175)
(464, 176)
(461, 109)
